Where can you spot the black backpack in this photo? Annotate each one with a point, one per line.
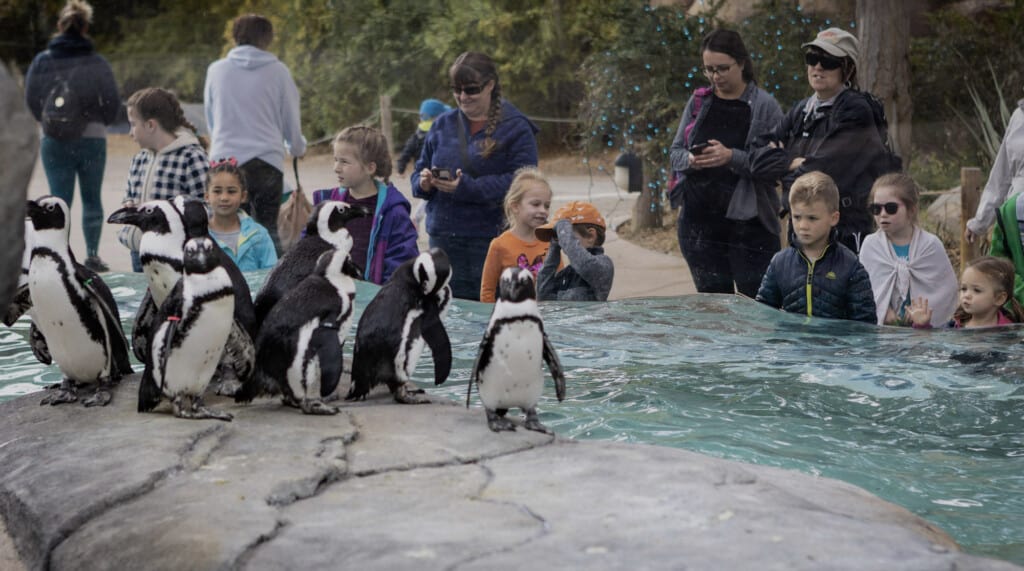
(63, 114)
(891, 162)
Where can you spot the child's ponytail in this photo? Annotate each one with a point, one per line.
(162, 105)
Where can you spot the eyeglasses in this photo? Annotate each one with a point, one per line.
(468, 89)
(827, 62)
(890, 208)
(710, 70)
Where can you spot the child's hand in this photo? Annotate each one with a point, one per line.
(919, 312)
(891, 318)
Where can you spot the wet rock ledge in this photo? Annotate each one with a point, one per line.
(385, 486)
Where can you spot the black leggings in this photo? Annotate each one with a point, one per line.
(724, 255)
(265, 186)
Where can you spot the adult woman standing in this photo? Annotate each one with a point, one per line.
(1006, 178)
(728, 225)
(468, 161)
(70, 77)
(834, 131)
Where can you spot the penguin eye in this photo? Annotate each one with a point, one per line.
(148, 210)
(50, 207)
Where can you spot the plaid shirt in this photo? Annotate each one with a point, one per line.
(180, 171)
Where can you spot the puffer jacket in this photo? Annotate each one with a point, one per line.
(835, 285)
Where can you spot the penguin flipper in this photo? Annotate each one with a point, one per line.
(436, 336)
(145, 319)
(483, 358)
(38, 344)
(555, 366)
(330, 354)
(21, 303)
(100, 292)
(149, 393)
(351, 269)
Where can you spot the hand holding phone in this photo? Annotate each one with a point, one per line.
(698, 148)
(441, 173)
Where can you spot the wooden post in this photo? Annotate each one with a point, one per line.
(647, 210)
(386, 125)
(970, 195)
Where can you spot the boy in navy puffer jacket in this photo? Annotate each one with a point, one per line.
(817, 275)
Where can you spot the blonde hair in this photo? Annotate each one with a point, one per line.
(1000, 271)
(813, 186)
(74, 17)
(905, 188)
(520, 184)
(371, 147)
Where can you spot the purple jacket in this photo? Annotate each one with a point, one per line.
(392, 237)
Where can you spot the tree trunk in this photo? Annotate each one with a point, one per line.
(884, 65)
(647, 210)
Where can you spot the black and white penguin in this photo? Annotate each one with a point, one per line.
(300, 343)
(323, 233)
(407, 312)
(75, 320)
(508, 366)
(188, 338)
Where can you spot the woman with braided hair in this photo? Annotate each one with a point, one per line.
(468, 161)
(172, 159)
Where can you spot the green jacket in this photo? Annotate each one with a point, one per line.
(1006, 240)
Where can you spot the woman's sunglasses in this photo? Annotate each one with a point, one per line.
(468, 89)
(890, 208)
(827, 62)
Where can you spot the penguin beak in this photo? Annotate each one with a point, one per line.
(126, 215)
(340, 217)
(33, 209)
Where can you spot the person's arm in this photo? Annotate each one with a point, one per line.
(193, 177)
(109, 100)
(408, 150)
(848, 148)
(761, 129)
(424, 161)
(546, 285)
(597, 270)
(208, 100)
(769, 293)
(999, 181)
(401, 245)
(292, 117)
(35, 97)
(267, 254)
(679, 154)
(491, 273)
(491, 189)
(860, 299)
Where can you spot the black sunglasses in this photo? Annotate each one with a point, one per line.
(827, 62)
(468, 89)
(890, 208)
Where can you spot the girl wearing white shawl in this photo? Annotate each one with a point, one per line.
(903, 261)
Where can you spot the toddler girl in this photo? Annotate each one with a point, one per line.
(526, 209)
(245, 240)
(172, 160)
(904, 261)
(985, 287)
(387, 237)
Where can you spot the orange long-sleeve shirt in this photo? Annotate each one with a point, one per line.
(509, 250)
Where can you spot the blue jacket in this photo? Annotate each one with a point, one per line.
(255, 248)
(392, 237)
(92, 78)
(475, 208)
(835, 285)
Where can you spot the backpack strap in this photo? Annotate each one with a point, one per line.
(699, 95)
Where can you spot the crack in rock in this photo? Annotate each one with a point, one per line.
(242, 561)
(455, 461)
(334, 466)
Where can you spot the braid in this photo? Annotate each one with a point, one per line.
(493, 117)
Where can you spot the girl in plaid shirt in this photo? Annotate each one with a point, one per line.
(172, 161)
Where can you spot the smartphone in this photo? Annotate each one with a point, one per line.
(441, 173)
(698, 148)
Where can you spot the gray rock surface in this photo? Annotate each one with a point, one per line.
(385, 486)
(19, 140)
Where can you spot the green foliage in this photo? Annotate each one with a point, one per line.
(986, 130)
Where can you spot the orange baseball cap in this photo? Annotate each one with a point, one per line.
(577, 212)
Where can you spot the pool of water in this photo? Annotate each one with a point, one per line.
(930, 420)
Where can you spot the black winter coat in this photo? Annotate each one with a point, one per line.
(72, 56)
(836, 285)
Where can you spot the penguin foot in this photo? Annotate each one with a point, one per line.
(318, 407)
(498, 423)
(533, 423)
(410, 394)
(195, 410)
(60, 394)
(101, 397)
(228, 387)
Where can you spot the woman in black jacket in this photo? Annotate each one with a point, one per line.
(70, 89)
(834, 131)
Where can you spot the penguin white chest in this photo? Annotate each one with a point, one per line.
(193, 355)
(79, 356)
(513, 376)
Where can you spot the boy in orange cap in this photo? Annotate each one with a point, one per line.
(578, 229)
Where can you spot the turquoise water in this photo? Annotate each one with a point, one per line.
(932, 420)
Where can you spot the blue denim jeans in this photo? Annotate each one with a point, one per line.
(84, 159)
(467, 256)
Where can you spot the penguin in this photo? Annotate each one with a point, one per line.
(76, 322)
(188, 337)
(508, 366)
(407, 311)
(160, 251)
(323, 232)
(300, 343)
